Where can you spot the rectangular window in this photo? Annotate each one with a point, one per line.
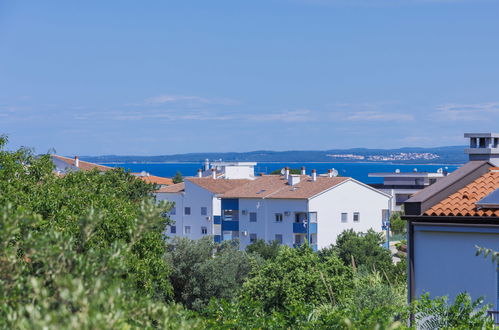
(204, 230)
(344, 217)
(173, 211)
(231, 215)
(187, 230)
(187, 211)
(252, 216)
(253, 238)
(278, 217)
(278, 238)
(204, 210)
(356, 216)
(313, 217)
(173, 229)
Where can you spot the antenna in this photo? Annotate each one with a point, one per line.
(283, 171)
(335, 172)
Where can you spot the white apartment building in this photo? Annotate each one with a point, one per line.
(286, 208)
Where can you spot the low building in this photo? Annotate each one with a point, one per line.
(446, 223)
(287, 208)
(403, 185)
(64, 165)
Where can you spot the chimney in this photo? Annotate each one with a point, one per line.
(330, 173)
(77, 161)
(200, 173)
(213, 173)
(293, 179)
(303, 172)
(314, 175)
(206, 164)
(286, 172)
(483, 146)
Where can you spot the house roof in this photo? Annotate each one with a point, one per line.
(82, 165)
(175, 188)
(276, 187)
(444, 187)
(464, 201)
(218, 186)
(154, 179)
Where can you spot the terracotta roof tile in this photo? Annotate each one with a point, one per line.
(276, 187)
(463, 202)
(218, 186)
(155, 179)
(175, 188)
(82, 165)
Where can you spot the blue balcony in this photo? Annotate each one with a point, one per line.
(217, 238)
(230, 204)
(217, 219)
(230, 225)
(299, 228)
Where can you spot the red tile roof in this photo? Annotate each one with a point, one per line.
(175, 188)
(275, 186)
(218, 186)
(463, 202)
(82, 165)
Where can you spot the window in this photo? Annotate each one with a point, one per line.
(253, 238)
(252, 216)
(344, 217)
(230, 215)
(313, 217)
(173, 229)
(278, 217)
(173, 211)
(356, 216)
(278, 238)
(204, 230)
(187, 211)
(204, 210)
(187, 230)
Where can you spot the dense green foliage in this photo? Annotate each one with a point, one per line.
(291, 171)
(397, 225)
(265, 250)
(203, 269)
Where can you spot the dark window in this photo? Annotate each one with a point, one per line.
(204, 210)
(356, 216)
(173, 229)
(204, 230)
(187, 211)
(278, 217)
(253, 238)
(252, 216)
(344, 217)
(278, 238)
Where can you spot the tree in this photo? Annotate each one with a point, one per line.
(362, 250)
(178, 178)
(297, 276)
(291, 171)
(267, 251)
(114, 200)
(203, 270)
(397, 225)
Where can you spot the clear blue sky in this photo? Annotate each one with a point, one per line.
(163, 77)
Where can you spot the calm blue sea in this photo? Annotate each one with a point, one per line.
(357, 171)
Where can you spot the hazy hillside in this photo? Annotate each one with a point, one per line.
(447, 155)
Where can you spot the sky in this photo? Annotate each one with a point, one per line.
(165, 77)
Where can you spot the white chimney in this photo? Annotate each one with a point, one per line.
(293, 179)
(314, 175)
(200, 173)
(206, 164)
(77, 161)
(330, 173)
(303, 172)
(286, 172)
(213, 173)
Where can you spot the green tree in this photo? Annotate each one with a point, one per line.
(362, 250)
(203, 270)
(397, 225)
(298, 276)
(115, 197)
(291, 171)
(178, 178)
(265, 250)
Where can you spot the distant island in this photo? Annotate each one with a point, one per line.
(440, 155)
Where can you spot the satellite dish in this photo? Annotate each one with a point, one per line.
(335, 172)
(283, 171)
(397, 171)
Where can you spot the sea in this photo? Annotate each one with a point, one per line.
(358, 171)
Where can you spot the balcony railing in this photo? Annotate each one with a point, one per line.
(495, 316)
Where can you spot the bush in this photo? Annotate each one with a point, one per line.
(267, 251)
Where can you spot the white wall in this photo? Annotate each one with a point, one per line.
(445, 263)
(265, 227)
(348, 197)
(239, 172)
(194, 197)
